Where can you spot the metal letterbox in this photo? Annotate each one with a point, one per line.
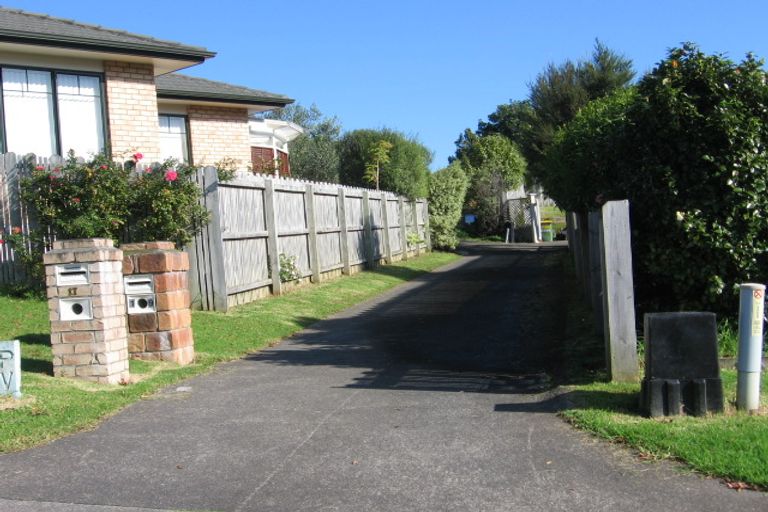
(141, 304)
(75, 308)
(72, 274)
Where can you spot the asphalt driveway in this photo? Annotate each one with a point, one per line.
(436, 396)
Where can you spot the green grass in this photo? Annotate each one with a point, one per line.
(54, 407)
(732, 445)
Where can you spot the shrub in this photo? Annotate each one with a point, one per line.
(688, 150)
(102, 199)
(447, 188)
(79, 200)
(165, 204)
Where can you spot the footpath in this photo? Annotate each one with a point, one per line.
(437, 396)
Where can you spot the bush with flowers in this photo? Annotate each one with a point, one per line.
(101, 198)
(165, 204)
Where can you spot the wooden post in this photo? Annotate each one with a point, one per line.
(584, 257)
(618, 293)
(368, 232)
(197, 274)
(215, 241)
(387, 244)
(427, 235)
(273, 249)
(403, 229)
(344, 234)
(415, 216)
(314, 259)
(595, 271)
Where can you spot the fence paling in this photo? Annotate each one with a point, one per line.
(325, 227)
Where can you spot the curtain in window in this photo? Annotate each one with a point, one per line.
(173, 138)
(28, 111)
(81, 125)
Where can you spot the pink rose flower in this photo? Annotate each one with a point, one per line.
(40, 168)
(76, 200)
(103, 167)
(137, 156)
(171, 175)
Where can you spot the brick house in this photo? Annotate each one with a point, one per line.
(67, 85)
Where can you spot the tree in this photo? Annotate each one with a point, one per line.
(407, 171)
(447, 189)
(688, 151)
(555, 97)
(314, 154)
(378, 155)
(493, 165)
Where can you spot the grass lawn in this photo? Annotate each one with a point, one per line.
(732, 445)
(54, 407)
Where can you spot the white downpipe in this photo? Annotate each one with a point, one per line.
(751, 304)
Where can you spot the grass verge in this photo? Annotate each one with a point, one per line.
(54, 407)
(732, 445)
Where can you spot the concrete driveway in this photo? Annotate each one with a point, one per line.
(434, 397)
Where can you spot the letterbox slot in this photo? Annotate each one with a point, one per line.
(139, 284)
(72, 275)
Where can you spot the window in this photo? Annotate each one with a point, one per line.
(173, 137)
(48, 113)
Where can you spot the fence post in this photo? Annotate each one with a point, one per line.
(415, 217)
(273, 251)
(215, 241)
(197, 263)
(368, 232)
(618, 293)
(595, 271)
(314, 258)
(403, 228)
(385, 214)
(344, 234)
(427, 235)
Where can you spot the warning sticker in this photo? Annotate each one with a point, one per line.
(757, 314)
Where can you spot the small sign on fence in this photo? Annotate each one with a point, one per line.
(10, 368)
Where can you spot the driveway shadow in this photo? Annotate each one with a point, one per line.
(493, 324)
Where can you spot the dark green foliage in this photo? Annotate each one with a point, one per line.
(314, 154)
(688, 151)
(447, 188)
(493, 165)
(406, 173)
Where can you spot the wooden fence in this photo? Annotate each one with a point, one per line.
(13, 212)
(600, 244)
(325, 228)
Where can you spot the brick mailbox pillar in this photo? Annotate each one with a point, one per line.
(157, 298)
(87, 310)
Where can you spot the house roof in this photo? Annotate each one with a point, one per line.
(27, 28)
(176, 86)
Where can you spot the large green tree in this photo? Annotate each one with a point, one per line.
(406, 172)
(314, 154)
(493, 164)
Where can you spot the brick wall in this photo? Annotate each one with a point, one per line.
(132, 109)
(217, 133)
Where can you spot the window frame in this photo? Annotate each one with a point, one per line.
(187, 138)
(55, 98)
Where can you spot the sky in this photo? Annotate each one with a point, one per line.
(428, 69)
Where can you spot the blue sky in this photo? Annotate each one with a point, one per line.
(426, 68)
